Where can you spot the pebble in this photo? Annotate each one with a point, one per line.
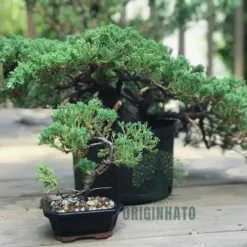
(93, 203)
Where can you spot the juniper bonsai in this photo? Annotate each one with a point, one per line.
(78, 127)
(137, 73)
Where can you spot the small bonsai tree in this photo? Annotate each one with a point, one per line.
(78, 127)
(140, 75)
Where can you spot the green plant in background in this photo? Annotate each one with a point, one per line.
(224, 48)
(78, 127)
(162, 163)
(47, 177)
(12, 17)
(179, 173)
(58, 18)
(157, 170)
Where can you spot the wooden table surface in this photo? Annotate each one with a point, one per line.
(220, 220)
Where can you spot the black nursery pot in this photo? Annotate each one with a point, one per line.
(159, 186)
(119, 179)
(98, 224)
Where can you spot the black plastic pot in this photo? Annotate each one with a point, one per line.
(157, 186)
(97, 224)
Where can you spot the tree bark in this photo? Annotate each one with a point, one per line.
(152, 7)
(239, 41)
(30, 19)
(182, 28)
(78, 176)
(1, 80)
(181, 41)
(210, 40)
(122, 21)
(1, 73)
(89, 181)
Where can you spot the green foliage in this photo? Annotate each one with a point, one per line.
(47, 177)
(104, 54)
(224, 47)
(19, 49)
(198, 9)
(57, 18)
(12, 17)
(131, 141)
(179, 173)
(85, 165)
(75, 125)
(65, 138)
(156, 164)
(111, 46)
(46, 64)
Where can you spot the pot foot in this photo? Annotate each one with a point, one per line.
(103, 235)
(96, 236)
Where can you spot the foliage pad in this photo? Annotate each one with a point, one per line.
(76, 127)
(45, 72)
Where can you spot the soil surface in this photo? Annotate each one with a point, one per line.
(74, 204)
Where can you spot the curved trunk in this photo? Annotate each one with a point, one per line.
(89, 181)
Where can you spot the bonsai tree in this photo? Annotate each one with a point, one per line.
(139, 74)
(78, 127)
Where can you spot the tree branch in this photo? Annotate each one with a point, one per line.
(111, 147)
(132, 101)
(201, 125)
(106, 163)
(164, 90)
(127, 77)
(95, 144)
(183, 116)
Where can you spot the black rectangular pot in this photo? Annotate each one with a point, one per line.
(68, 227)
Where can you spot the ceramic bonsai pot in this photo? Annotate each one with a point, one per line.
(68, 227)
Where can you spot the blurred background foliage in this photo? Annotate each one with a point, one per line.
(58, 18)
(224, 49)
(12, 17)
(55, 19)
